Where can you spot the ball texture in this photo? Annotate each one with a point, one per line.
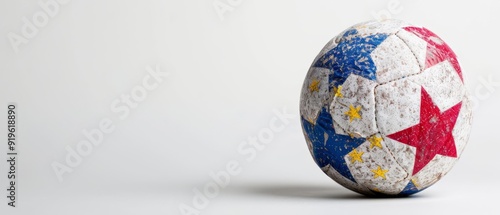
(384, 108)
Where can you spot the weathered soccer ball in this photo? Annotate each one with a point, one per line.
(384, 108)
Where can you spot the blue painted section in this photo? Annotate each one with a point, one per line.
(410, 189)
(351, 56)
(332, 147)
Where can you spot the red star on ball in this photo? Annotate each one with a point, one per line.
(437, 50)
(432, 135)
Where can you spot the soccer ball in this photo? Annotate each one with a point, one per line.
(384, 108)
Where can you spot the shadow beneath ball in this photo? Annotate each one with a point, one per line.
(311, 192)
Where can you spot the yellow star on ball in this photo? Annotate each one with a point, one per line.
(314, 86)
(379, 172)
(337, 91)
(375, 141)
(353, 113)
(356, 156)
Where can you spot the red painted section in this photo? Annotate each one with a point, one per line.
(437, 50)
(433, 135)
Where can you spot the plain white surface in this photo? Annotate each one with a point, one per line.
(226, 78)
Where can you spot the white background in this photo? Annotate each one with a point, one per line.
(226, 78)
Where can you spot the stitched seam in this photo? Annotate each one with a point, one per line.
(408, 175)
